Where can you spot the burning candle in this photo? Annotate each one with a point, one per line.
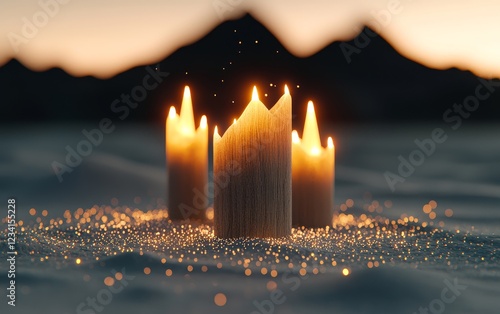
(313, 173)
(187, 163)
(252, 172)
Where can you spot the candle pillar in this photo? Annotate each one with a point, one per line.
(187, 163)
(254, 159)
(313, 173)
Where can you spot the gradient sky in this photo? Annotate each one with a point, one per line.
(375, 85)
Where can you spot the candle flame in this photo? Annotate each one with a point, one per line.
(295, 137)
(255, 94)
(287, 92)
(203, 122)
(172, 113)
(256, 107)
(187, 117)
(330, 143)
(216, 132)
(310, 136)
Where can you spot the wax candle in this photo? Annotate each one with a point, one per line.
(252, 172)
(187, 163)
(313, 173)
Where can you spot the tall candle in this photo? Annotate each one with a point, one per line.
(187, 163)
(313, 173)
(253, 163)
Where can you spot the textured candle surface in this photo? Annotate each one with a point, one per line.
(252, 173)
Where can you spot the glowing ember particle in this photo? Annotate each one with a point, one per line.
(220, 299)
(271, 285)
(109, 281)
(448, 212)
(349, 202)
(433, 204)
(210, 213)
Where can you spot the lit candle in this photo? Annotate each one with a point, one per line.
(313, 173)
(252, 160)
(187, 163)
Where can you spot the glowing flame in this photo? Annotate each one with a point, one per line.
(183, 124)
(330, 143)
(255, 94)
(255, 106)
(295, 137)
(310, 136)
(203, 122)
(186, 121)
(172, 114)
(287, 92)
(311, 142)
